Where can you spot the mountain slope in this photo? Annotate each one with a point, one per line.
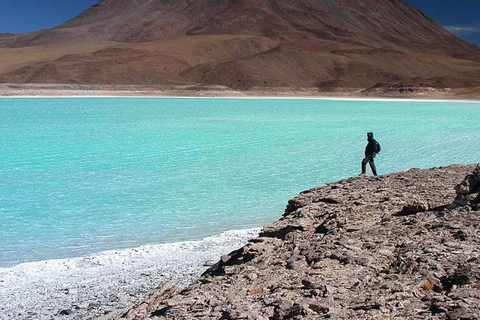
(247, 43)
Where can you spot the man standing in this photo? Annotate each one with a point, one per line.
(371, 150)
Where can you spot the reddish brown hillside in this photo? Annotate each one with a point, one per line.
(244, 44)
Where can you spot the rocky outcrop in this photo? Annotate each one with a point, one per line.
(468, 188)
(401, 246)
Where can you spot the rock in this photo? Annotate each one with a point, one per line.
(471, 183)
(461, 314)
(413, 208)
(65, 312)
(465, 274)
(92, 306)
(363, 248)
(319, 308)
(296, 263)
(313, 284)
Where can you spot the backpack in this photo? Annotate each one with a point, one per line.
(378, 148)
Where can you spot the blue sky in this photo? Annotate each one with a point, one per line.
(462, 17)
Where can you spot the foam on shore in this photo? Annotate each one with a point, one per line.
(97, 284)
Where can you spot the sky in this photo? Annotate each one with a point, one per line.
(461, 17)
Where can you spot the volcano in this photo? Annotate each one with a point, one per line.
(244, 44)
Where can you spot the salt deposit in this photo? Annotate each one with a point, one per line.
(93, 285)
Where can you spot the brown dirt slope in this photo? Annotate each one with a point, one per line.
(245, 44)
(400, 246)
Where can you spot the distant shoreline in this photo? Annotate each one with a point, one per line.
(192, 91)
(246, 98)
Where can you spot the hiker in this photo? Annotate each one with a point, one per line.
(371, 150)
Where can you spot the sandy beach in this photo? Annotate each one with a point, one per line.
(94, 285)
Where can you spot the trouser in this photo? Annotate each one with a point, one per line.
(371, 161)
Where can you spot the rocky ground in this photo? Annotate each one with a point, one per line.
(401, 246)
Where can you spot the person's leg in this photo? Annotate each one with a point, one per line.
(372, 166)
(364, 165)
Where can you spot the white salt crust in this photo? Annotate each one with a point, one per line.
(91, 286)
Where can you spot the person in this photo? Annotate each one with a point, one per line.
(371, 150)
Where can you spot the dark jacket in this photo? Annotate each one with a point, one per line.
(370, 148)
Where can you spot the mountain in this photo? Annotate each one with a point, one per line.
(243, 44)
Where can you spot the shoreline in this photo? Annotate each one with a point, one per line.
(107, 282)
(213, 92)
(326, 98)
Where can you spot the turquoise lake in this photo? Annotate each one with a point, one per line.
(84, 175)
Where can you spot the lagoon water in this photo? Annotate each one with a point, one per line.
(84, 175)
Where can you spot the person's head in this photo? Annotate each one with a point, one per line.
(369, 136)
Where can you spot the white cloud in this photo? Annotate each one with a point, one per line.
(462, 30)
